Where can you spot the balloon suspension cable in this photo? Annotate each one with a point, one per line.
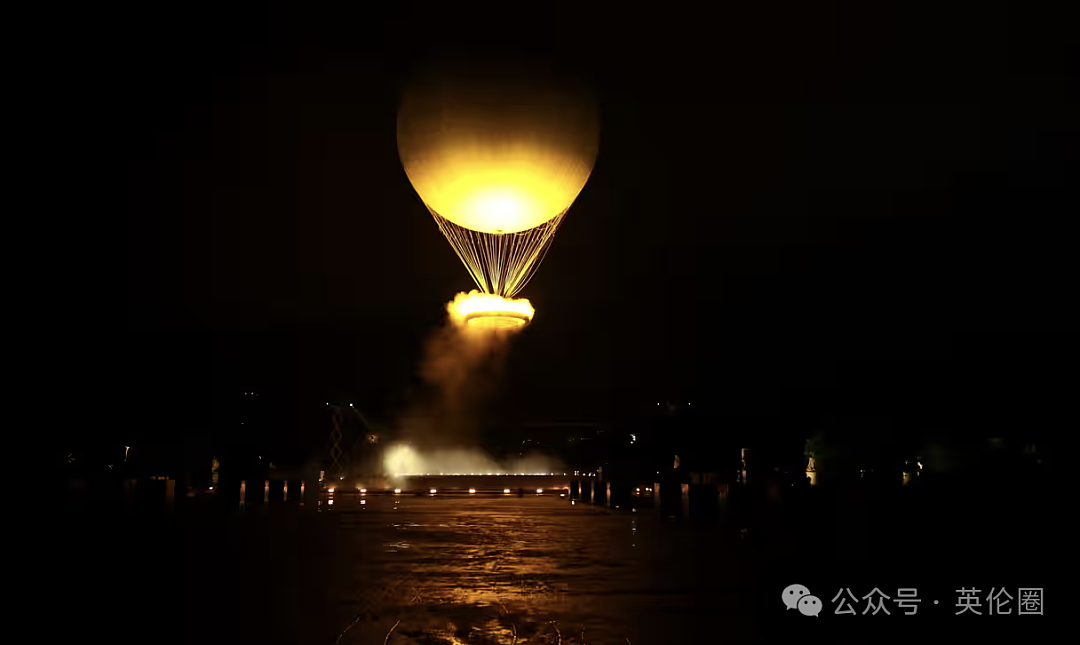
(500, 264)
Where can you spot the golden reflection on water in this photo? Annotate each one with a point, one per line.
(471, 572)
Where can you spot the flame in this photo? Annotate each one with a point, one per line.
(489, 311)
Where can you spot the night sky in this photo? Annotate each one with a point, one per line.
(792, 217)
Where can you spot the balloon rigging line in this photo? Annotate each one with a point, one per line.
(501, 264)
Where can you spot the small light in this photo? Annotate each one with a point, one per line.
(432, 491)
(363, 490)
(397, 491)
(562, 494)
(472, 491)
(331, 502)
(350, 405)
(506, 490)
(211, 488)
(330, 490)
(363, 501)
(539, 491)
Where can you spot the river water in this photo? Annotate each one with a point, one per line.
(537, 569)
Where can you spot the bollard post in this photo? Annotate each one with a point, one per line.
(722, 500)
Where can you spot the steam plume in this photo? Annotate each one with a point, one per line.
(461, 370)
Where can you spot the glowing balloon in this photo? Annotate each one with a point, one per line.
(498, 157)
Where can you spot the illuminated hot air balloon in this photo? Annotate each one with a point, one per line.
(497, 158)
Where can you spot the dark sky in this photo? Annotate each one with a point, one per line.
(792, 216)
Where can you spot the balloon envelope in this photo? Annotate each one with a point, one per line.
(497, 154)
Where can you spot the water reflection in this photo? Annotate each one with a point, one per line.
(476, 572)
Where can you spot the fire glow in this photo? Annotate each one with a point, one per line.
(487, 311)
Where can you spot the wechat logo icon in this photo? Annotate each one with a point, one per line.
(799, 597)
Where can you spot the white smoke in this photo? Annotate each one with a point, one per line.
(408, 459)
(461, 369)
